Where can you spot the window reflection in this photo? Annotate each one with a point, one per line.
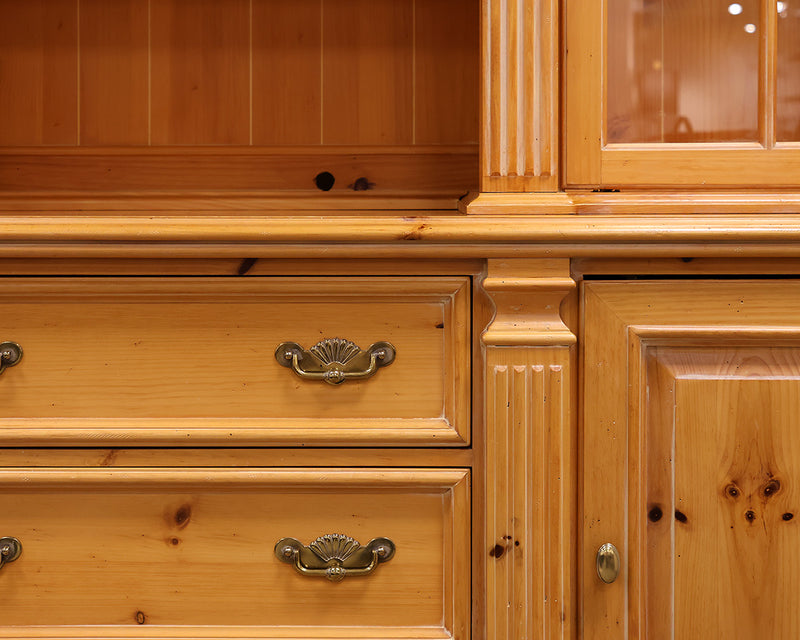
(682, 70)
(787, 126)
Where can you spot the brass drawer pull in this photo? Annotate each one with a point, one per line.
(334, 556)
(10, 354)
(334, 360)
(10, 549)
(608, 563)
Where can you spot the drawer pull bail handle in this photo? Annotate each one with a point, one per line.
(10, 354)
(334, 556)
(10, 549)
(334, 360)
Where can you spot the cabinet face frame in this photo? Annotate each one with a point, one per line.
(590, 161)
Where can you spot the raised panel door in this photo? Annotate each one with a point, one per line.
(691, 459)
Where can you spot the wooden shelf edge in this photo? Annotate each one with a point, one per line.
(403, 234)
(632, 203)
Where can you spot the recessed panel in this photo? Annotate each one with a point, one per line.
(719, 534)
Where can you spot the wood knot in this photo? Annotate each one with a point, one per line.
(787, 516)
(183, 515)
(497, 551)
(732, 490)
(140, 617)
(750, 515)
(771, 488)
(681, 517)
(655, 514)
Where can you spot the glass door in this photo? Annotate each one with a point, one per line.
(683, 93)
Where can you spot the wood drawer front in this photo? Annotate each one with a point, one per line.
(177, 553)
(191, 361)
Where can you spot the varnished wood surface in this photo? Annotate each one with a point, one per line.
(185, 361)
(520, 86)
(140, 550)
(385, 237)
(238, 457)
(231, 174)
(688, 391)
(241, 72)
(530, 449)
(590, 116)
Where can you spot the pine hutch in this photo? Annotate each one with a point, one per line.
(394, 319)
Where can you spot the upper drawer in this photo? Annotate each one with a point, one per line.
(192, 361)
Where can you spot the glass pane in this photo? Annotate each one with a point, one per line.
(788, 123)
(682, 70)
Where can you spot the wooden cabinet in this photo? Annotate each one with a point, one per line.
(591, 294)
(690, 457)
(694, 94)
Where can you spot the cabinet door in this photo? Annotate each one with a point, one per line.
(682, 93)
(691, 459)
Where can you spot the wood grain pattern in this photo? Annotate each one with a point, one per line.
(200, 78)
(420, 234)
(39, 80)
(527, 295)
(684, 471)
(520, 106)
(287, 72)
(202, 353)
(367, 72)
(114, 89)
(431, 171)
(194, 547)
(237, 457)
(529, 459)
(446, 72)
(529, 523)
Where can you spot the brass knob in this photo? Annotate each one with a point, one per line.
(334, 556)
(10, 355)
(334, 360)
(608, 563)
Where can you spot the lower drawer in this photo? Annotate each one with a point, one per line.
(177, 553)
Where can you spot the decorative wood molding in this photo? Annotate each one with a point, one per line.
(520, 95)
(530, 453)
(527, 307)
(335, 235)
(530, 485)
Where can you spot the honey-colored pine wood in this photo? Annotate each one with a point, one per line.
(427, 172)
(240, 457)
(520, 88)
(187, 361)
(199, 72)
(194, 547)
(367, 72)
(39, 80)
(446, 72)
(287, 72)
(114, 68)
(688, 458)
(529, 453)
